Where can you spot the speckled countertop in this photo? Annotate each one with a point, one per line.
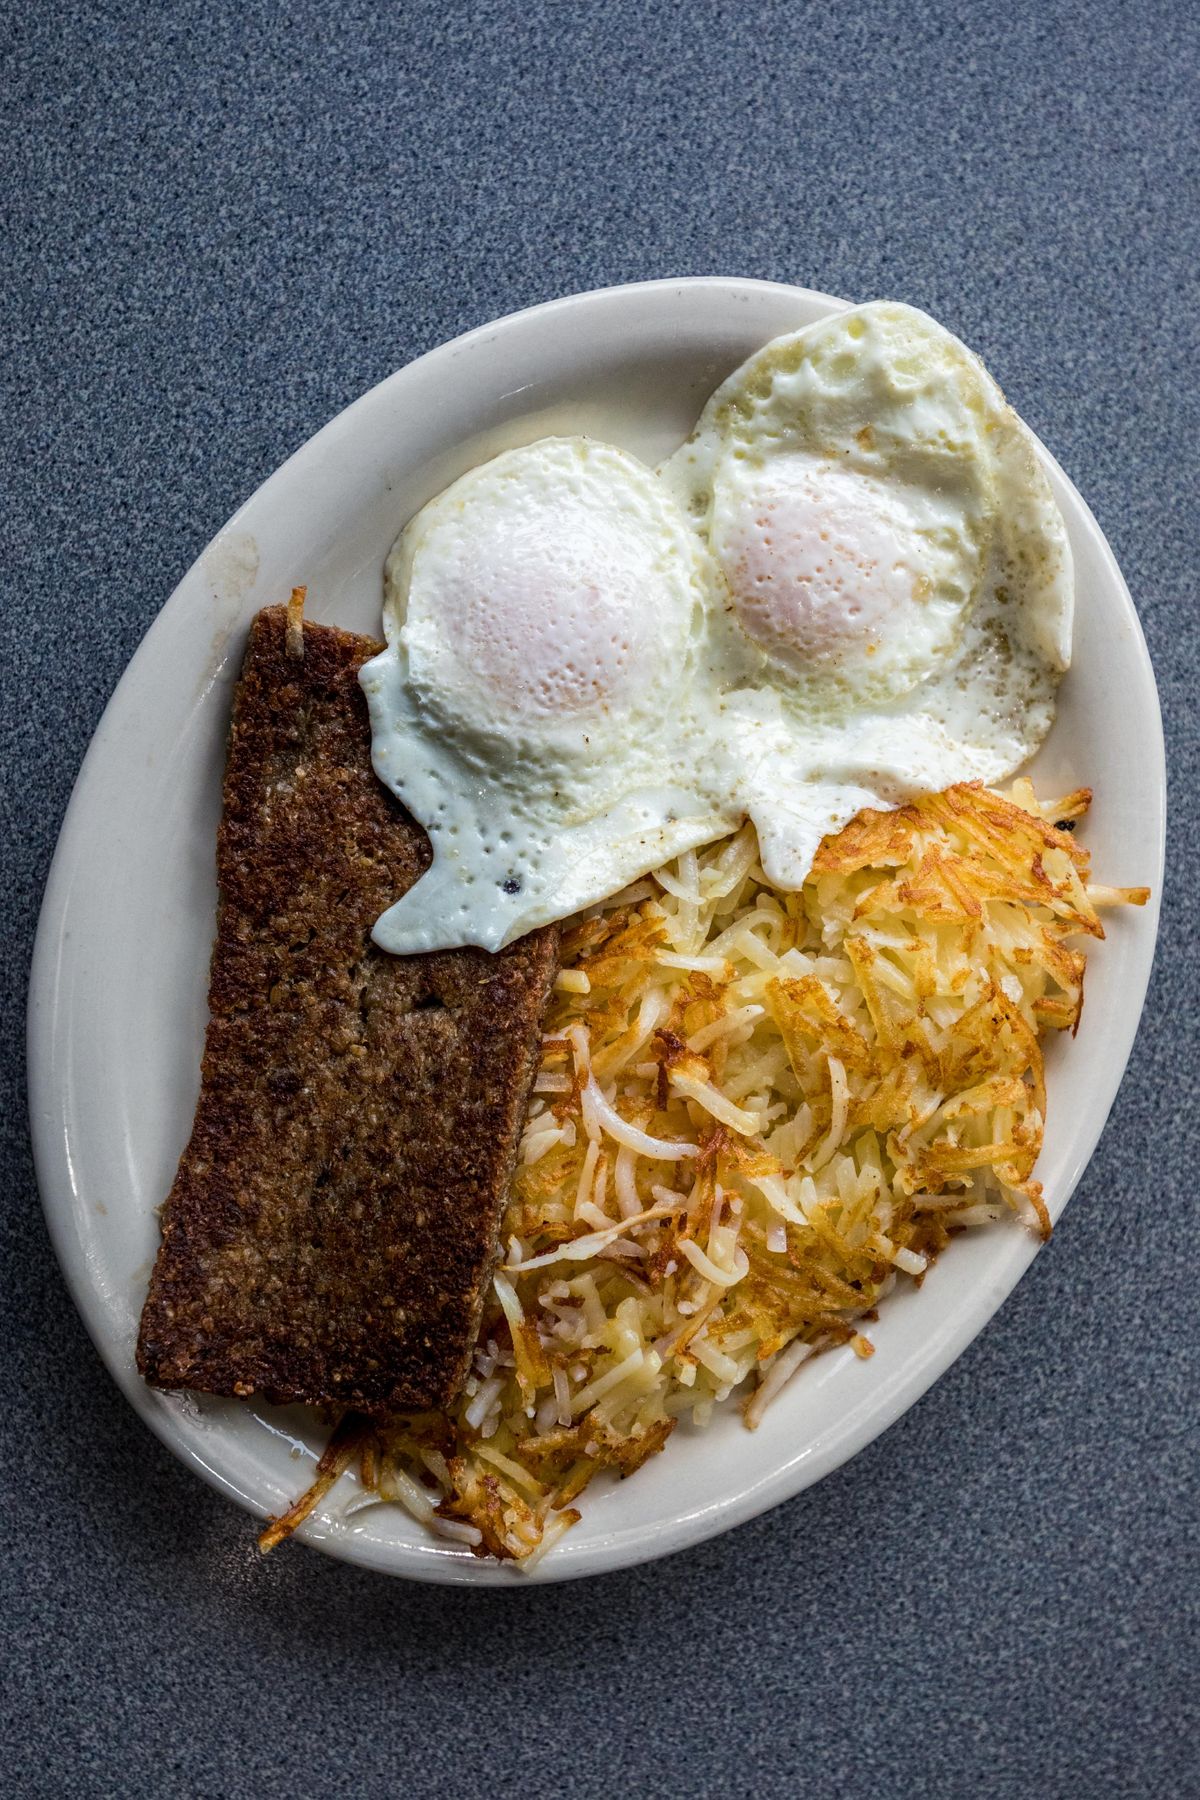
(223, 223)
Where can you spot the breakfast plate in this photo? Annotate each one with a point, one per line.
(118, 996)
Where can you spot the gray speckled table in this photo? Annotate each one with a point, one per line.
(224, 222)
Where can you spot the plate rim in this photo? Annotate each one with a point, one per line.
(52, 1162)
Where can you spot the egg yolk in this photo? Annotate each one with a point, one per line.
(549, 627)
(817, 572)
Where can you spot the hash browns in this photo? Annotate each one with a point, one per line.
(755, 1111)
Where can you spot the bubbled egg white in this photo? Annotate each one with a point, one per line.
(895, 583)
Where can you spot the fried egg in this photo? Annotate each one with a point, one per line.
(894, 582)
(851, 585)
(544, 619)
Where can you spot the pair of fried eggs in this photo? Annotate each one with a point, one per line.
(851, 585)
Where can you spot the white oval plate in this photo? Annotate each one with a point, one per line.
(117, 1009)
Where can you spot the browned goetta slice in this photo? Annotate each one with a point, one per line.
(333, 1222)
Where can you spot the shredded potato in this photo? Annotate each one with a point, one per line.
(755, 1111)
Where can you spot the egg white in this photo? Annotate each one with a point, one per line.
(851, 585)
